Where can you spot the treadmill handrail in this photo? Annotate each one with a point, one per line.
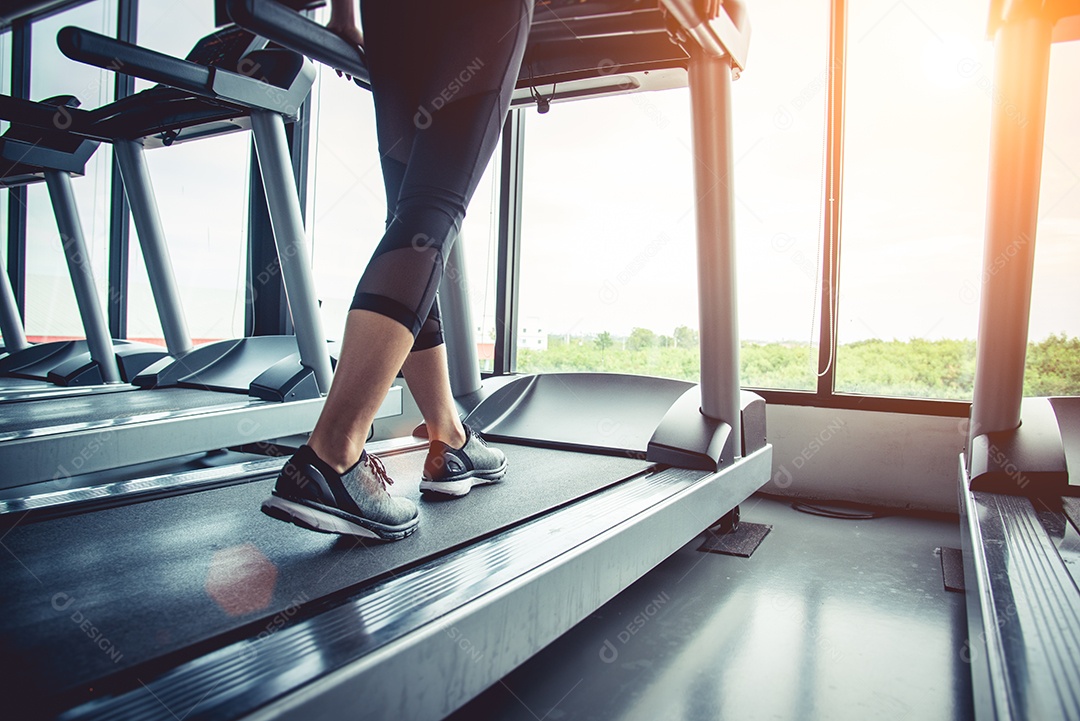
(92, 48)
(285, 26)
(43, 115)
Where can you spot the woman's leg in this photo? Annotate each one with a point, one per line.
(473, 52)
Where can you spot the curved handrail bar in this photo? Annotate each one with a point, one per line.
(102, 51)
(285, 26)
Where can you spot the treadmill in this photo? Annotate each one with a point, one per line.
(1019, 477)
(223, 394)
(60, 368)
(194, 605)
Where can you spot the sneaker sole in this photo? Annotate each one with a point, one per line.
(315, 520)
(458, 487)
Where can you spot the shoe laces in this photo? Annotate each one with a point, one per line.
(379, 470)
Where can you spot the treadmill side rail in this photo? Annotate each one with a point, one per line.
(1023, 611)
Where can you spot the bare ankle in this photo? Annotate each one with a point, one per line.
(333, 456)
(452, 434)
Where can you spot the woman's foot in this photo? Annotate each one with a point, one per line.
(313, 495)
(454, 471)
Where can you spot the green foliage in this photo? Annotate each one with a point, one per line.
(1053, 367)
(686, 337)
(640, 339)
(916, 368)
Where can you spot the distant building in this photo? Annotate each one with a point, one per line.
(531, 335)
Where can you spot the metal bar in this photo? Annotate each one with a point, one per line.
(131, 160)
(119, 212)
(458, 324)
(710, 100)
(1022, 49)
(82, 277)
(16, 230)
(289, 235)
(834, 183)
(511, 172)
(10, 320)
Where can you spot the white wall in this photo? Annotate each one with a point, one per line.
(888, 459)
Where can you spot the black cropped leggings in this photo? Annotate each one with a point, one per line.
(441, 76)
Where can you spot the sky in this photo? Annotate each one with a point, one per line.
(608, 237)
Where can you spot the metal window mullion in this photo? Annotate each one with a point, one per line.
(511, 171)
(119, 211)
(16, 230)
(834, 170)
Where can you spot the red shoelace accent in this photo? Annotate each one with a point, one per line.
(379, 470)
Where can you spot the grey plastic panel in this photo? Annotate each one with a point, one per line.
(1067, 411)
(584, 410)
(1029, 460)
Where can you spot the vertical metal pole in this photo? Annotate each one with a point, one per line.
(710, 102)
(458, 324)
(831, 212)
(82, 278)
(21, 32)
(130, 156)
(119, 212)
(511, 185)
(289, 235)
(10, 322)
(1022, 65)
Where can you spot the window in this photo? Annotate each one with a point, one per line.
(609, 246)
(1053, 360)
(608, 250)
(778, 108)
(202, 193)
(51, 311)
(916, 150)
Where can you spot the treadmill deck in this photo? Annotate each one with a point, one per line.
(94, 594)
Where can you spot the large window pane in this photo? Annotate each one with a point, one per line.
(202, 192)
(1053, 360)
(51, 311)
(609, 257)
(778, 106)
(917, 134)
(347, 208)
(607, 269)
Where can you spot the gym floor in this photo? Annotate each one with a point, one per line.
(828, 619)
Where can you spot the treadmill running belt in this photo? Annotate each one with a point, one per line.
(90, 595)
(93, 409)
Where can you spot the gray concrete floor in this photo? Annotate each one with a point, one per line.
(829, 619)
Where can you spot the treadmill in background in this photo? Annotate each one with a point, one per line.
(224, 394)
(60, 368)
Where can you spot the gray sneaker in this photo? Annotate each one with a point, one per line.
(312, 495)
(454, 471)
